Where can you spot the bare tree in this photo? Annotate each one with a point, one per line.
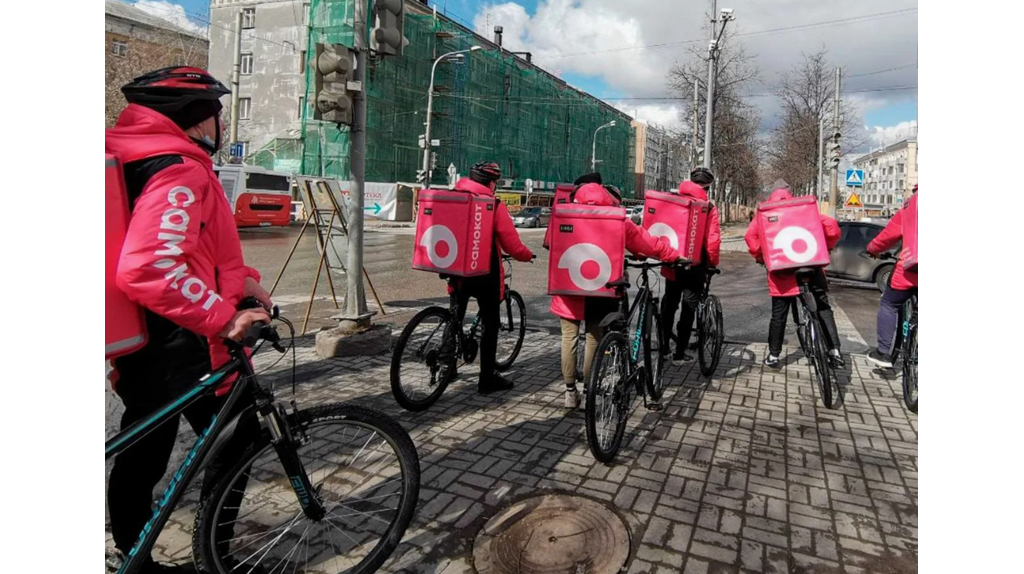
(807, 94)
(735, 121)
(157, 49)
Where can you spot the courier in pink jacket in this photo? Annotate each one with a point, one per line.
(686, 285)
(573, 309)
(182, 262)
(488, 290)
(902, 284)
(783, 287)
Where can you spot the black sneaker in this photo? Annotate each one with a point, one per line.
(497, 384)
(771, 362)
(879, 359)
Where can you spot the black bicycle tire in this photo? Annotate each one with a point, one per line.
(602, 455)
(396, 362)
(655, 389)
(203, 543)
(822, 367)
(516, 299)
(581, 354)
(910, 366)
(711, 315)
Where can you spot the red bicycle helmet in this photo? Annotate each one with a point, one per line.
(168, 90)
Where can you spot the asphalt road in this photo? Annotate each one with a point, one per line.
(742, 286)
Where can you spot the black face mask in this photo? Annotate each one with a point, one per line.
(210, 146)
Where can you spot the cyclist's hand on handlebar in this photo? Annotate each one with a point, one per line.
(252, 288)
(242, 321)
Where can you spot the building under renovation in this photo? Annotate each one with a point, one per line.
(492, 105)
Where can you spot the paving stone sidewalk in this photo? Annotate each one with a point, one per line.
(747, 472)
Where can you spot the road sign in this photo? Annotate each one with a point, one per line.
(853, 201)
(236, 149)
(855, 177)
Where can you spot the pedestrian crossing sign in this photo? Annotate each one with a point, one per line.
(855, 177)
(853, 201)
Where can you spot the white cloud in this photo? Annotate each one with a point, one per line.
(887, 135)
(173, 13)
(668, 116)
(587, 37)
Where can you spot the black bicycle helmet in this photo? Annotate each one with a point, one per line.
(485, 172)
(168, 90)
(702, 176)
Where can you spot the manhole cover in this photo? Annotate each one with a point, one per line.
(552, 534)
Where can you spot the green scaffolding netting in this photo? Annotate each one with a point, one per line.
(491, 106)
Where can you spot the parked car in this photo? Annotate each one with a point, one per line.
(533, 216)
(847, 261)
(635, 213)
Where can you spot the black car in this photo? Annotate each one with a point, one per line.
(849, 264)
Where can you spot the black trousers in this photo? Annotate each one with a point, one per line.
(171, 363)
(782, 306)
(486, 291)
(687, 288)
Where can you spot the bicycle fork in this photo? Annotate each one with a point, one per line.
(285, 444)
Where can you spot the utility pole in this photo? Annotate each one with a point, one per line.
(355, 297)
(834, 192)
(236, 71)
(693, 143)
(818, 190)
(710, 113)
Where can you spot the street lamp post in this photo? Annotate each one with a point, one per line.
(430, 108)
(713, 49)
(593, 149)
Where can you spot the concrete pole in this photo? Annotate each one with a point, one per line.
(426, 132)
(355, 297)
(693, 143)
(834, 193)
(236, 71)
(710, 113)
(818, 191)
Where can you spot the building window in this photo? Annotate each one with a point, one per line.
(302, 62)
(248, 18)
(244, 108)
(246, 64)
(305, 13)
(119, 48)
(302, 101)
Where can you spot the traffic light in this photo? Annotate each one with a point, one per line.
(388, 27)
(833, 150)
(332, 72)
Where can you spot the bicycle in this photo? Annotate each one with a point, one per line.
(424, 362)
(710, 329)
(904, 348)
(262, 514)
(608, 404)
(810, 330)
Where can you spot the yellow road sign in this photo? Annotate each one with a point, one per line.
(853, 201)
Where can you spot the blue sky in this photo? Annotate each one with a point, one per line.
(876, 39)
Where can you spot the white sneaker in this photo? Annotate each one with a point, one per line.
(572, 399)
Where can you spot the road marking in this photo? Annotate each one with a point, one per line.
(845, 326)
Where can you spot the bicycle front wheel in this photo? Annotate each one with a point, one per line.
(910, 370)
(654, 353)
(511, 331)
(363, 468)
(710, 335)
(822, 367)
(607, 405)
(424, 359)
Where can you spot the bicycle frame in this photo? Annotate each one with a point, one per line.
(637, 310)
(201, 450)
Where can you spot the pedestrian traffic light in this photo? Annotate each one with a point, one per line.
(388, 27)
(332, 72)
